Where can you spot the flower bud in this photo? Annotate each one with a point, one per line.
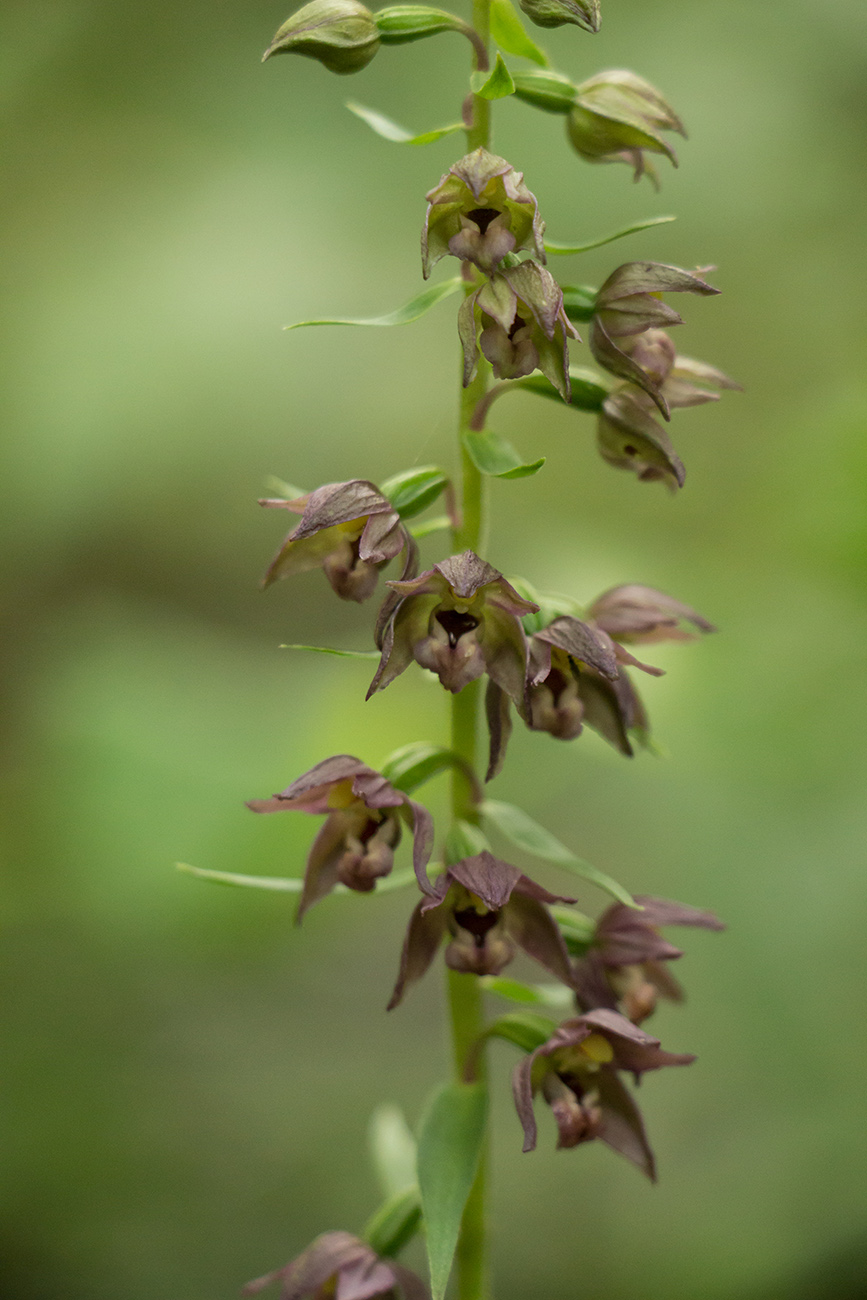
(545, 89)
(341, 34)
(629, 438)
(617, 116)
(555, 13)
(401, 23)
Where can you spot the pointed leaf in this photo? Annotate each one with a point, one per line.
(389, 130)
(527, 834)
(413, 764)
(414, 490)
(464, 840)
(437, 525)
(538, 995)
(495, 84)
(526, 1029)
(494, 456)
(588, 389)
(449, 1148)
(510, 34)
(392, 1148)
(329, 650)
(282, 884)
(563, 249)
(412, 311)
(395, 1223)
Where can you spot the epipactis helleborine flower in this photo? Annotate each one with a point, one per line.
(628, 437)
(617, 117)
(338, 1266)
(350, 530)
(628, 305)
(480, 211)
(488, 909)
(459, 619)
(341, 34)
(363, 812)
(626, 963)
(576, 1072)
(524, 326)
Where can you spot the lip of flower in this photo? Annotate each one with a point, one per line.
(340, 1263)
(459, 619)
(363, 825)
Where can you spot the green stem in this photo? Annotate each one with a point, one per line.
(464, 993)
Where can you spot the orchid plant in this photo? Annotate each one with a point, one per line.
(557, 666)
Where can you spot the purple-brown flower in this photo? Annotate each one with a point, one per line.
(480, 211)
(363, 812)
(488, 909)
(617, 116)
(576, 1071)
(459, 619)
(524, 326)
(350, 530)
(626, 964)
(338, 1266)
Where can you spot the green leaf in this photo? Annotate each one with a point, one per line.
(464, 840)
(509, 33)
(282, 884)
(413, 764)
(496, 84)
(449, 1147)
(526, 1029)
(395, 1223)
(414, 490)
(579, 301)
(494, 456)
(527, 834)
(284, 489)
(329, 650)
(389, 130)
(562, 249)
(392, 1149)
(539, 995)
(588, 389)
(436, 525)
(412, 311)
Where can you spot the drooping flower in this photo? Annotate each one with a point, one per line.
(350, 530)
(363, 812)
(554, 13)
(459, 619)
(576, 1071)
(338, 1266)
(488, 909)
(617, 117)
(480, 211)
(628, 437)
(524, 326)
(341, 34)
(626, 964)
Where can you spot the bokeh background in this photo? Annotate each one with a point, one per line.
(191, 1077)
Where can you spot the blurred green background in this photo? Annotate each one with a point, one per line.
(190, 1076)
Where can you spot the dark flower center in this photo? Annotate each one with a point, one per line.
(456, 624)
(483, 217)
(477, 923)
(517, 324)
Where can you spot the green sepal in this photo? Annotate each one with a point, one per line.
(550, 91)
(392, 1150)
(511, 35)
(414, 489)
(589, 390)
(449, 1147)
(495, 456)
(395, 1223)
(411, 311)
(464, 840)
(538, 995)
(496, 84)
(400, 23)
(390, 130)
(437, 525)
(520, 829)
(562, 249)
(329, 650)
(526, 1029)
(413, 764)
